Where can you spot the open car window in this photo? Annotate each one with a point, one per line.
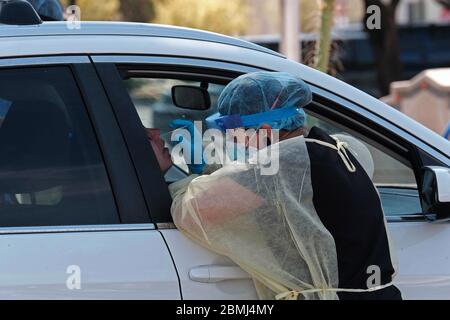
(152, 98)
(51, 168)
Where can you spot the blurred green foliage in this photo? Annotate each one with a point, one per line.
(97, 10)
(323, 46)
(137, 10)
(310, 15)
(228, 17)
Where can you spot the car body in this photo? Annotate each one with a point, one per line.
(131, 249)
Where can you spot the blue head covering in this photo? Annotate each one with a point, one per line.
(48, 9)
(253, 99)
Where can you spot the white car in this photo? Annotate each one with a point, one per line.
(84, 208)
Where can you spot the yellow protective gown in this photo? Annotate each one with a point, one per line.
(266, 224)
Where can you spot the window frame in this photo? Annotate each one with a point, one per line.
(150, 179)
(356, 116)
(115, 157)
(385, 134)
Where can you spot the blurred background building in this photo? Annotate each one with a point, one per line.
(423, 27)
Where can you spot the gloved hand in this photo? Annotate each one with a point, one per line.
(196, 146)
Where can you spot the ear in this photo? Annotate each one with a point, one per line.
(268, 128)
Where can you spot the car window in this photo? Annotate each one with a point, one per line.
(394, 179)
(393, 176)
(152, 98)
(51, 168)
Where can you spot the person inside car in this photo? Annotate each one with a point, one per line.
(315, 228)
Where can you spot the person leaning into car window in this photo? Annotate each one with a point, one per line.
(345, 199)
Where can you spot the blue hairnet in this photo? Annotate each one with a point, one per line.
(48, 9)
(263, 92)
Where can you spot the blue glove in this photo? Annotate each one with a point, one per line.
(196, 143)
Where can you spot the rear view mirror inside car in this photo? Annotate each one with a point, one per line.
(191, 97)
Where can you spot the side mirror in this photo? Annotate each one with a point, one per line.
(436, 192)
(191, 97)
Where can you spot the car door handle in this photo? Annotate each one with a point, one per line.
(215, 273)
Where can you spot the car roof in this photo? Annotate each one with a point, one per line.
(125, 29)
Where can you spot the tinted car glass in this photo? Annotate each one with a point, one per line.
(152, 98)
(51, 168)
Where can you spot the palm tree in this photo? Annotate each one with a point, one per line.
(323, 44)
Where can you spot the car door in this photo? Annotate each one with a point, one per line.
(423, 258)
(73, 221)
